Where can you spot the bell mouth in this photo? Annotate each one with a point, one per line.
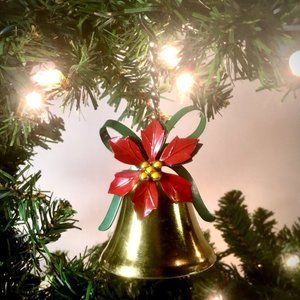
(167, 244)
(170, 272)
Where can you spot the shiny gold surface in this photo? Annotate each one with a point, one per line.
(144, 165)
(157, 164)
(150, 169)
(167, 243)
(155, 176)
(144, 176)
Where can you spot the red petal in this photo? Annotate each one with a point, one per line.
(126, 151)
(178, 151)
(153, 138)
(145, 198)
(176, 187)
(124, 182)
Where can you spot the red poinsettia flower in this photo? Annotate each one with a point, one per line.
(150, 161)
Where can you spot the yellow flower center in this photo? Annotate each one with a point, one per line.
(151, 171)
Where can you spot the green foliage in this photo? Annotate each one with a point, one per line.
(20, 129)
(251, 238)
(30, 220)
(103, 48)
(109, 49)
(74, 278)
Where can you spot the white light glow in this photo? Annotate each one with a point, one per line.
(185, 82)
(292, 261)
(294, 63)
(47, 78)
(34, 100)
(169, 56)
(217, 297)
(128, 271)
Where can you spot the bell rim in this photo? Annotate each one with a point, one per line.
(168, 273)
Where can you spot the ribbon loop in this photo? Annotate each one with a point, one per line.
(170, 124)
(120, 128)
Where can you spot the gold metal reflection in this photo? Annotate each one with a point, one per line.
(167, 243)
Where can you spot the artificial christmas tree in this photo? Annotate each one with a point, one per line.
(94, 50)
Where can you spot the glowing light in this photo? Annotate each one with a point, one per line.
(34, 100)
(46, 283)
(48, 77)
(294, 63)
(292, 261)
(184, 82)
(128, 271)
(169, 56)
(216, 297)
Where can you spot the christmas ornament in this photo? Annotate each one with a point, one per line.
(157, 234)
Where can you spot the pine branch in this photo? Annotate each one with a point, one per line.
(30, 219)
(289, 238)
(83, 275)
(21, 130)
(254, 241)
(103, 48)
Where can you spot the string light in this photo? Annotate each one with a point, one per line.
(184, 82)
(48, 77)
(34, 100)
(292, 261)
(169, 56)
(294, 63)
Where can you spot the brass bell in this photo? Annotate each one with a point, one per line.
(167, 243)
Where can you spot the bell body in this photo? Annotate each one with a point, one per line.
(167, 243)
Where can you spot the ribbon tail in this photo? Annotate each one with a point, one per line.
(200, 128)
(197, 200)
(111, 213)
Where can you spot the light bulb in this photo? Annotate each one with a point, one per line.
(48, 77)
(184, 82)
(294, 63)
(169, 56)
(34, 100)
(216, 297)
(292, 261)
